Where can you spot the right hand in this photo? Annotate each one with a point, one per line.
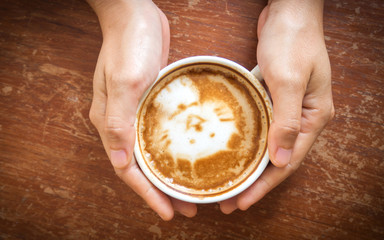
(135, 47)
(293, 59)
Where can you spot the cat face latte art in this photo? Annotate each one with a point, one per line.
(202, 129)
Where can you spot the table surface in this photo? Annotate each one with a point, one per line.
(56, 181)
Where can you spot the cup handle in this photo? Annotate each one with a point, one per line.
(256, 72)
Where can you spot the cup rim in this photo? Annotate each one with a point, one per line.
(244, 184)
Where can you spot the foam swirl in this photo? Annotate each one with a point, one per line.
(200, 130)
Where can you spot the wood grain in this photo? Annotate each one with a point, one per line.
(57, 183)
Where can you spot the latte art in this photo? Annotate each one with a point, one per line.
(200, 131)
(193, 129)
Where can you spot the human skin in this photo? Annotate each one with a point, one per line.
(292, 57)
(294, 62)
(135, 47)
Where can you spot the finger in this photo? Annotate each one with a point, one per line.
(130, 173)
(184, 208)
(158, 201)
(165, 38)
(287, 91)
(273, 176)
(229, 205)
(262, 18)
(318, 111)
(270, 178)
(318, 102)
(99, 101)
(312, 125)
(119, 130)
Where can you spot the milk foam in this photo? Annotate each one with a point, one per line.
(201, 130)
(190, 129)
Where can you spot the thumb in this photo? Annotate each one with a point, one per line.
(287, 95)
(119, 125)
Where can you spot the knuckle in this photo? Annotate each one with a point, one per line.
(95, 117)
(327, 114)
(333, 113)
(292, 167)
(290, 127)
(266, 186)
(148, 192)
(127, 79)
(288, 79)
(119, 173)
(114, 128)
(322, 117)
(120, 83)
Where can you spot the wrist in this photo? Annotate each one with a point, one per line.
(298, 14)
(116, 15)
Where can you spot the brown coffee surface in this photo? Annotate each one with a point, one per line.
(200, 130)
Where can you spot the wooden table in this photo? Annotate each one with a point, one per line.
(56, 181)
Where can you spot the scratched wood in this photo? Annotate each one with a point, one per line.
(57, 183)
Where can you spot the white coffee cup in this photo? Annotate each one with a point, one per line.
(254, 77)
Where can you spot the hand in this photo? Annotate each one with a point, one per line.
(135, 48)
(294, 62)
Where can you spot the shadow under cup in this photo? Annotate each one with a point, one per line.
(201, 130)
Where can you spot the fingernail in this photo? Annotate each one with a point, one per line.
(230, 210)
(165, 216)
(119, 158)
(182, 212)
(228, 207)
(283, 156)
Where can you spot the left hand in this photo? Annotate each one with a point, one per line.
(294, 62)
(135, 48)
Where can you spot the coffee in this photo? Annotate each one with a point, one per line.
(202, 129)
